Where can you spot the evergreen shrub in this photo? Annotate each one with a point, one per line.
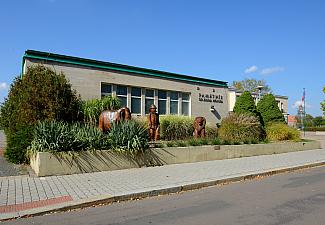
(269, 110)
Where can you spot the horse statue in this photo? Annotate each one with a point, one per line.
(107, 117)
(153, 122)
(199, 127)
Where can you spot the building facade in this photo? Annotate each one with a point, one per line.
(138, 88)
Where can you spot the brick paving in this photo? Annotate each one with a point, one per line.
(25, 190)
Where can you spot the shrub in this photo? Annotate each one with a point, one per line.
(216, 141)
(240, 128)
(211, 131)
(18, 143)
(92, 109)
(58, 136)
(269, 110)
(245, 105)
(39, 95)
(281, 132)
(129, 137)
(176, 127)
(315, 128)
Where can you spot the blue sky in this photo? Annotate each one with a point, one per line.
(279, 41)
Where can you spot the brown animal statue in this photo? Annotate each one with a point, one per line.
(153, 121)
(199, 127)
(107, 117)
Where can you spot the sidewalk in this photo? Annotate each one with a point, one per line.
(24, 195)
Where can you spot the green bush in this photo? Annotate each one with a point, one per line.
(58, 136)
(211, 131)
(281, 132)
(315, 129)
(92, 109)
(40, 94)
(245, 105)
(17, 144)
(129, 137)
(176, 127)
(240, 128)
(269, 110)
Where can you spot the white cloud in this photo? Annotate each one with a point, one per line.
(299, 103)
(3, 86)
(268, 71)
(251, 69)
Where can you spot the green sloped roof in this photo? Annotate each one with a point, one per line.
(46, 56)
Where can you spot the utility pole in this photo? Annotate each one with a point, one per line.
(304, 112)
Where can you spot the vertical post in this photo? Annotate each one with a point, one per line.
(304, 112)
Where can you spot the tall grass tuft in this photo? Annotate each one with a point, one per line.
(176, 127)
(240, 128)
(92, 109)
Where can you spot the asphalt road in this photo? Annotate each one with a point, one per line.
(296, 198)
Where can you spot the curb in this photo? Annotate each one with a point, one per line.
(108, 199)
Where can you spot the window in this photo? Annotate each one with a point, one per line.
(121, 93)
(173, 102)
(106, 89)
(136, 100)
(185, 104)
(150, 94)
(162, 101)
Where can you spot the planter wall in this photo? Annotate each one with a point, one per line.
(46, 164)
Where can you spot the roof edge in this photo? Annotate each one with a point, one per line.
(118, 67)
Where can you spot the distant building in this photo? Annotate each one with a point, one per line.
(292, 121)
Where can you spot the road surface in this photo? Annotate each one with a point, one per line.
(296, 198)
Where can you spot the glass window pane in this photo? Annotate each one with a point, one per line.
(162, 107)
(174, 107)
(185, 97)
(150, 93)
(123, 101)
(148, 103)
(185, 108)
(106, 88)
(136, 91)
(174, 95)
(136, 105)
(121, 90)
(162, 94)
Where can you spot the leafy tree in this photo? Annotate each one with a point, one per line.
(251, 85)
(318, 121)
(269, 110)
(40, 94)
(245, 105)
(323, 103)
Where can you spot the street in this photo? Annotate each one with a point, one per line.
(290, 198)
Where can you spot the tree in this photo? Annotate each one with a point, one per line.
(245, 105)
(269, 110)
(323, 103)
(251, 85)
(40, 94)
(318, 121)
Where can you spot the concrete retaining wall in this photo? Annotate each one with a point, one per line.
(46, 164)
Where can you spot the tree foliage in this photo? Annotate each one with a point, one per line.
(40, 94)
(269, 110)
(251, 85)
(245, 105)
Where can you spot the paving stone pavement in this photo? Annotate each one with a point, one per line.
(23, 190)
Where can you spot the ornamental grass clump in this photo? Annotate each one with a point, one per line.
(240, 128)
(58, 136)
(92, 109)
(129, 137)
(176, 127)
(281, 132)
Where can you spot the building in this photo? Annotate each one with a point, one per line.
(282, 101)
(138, 88)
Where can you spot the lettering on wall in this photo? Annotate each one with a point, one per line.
(215, 98)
